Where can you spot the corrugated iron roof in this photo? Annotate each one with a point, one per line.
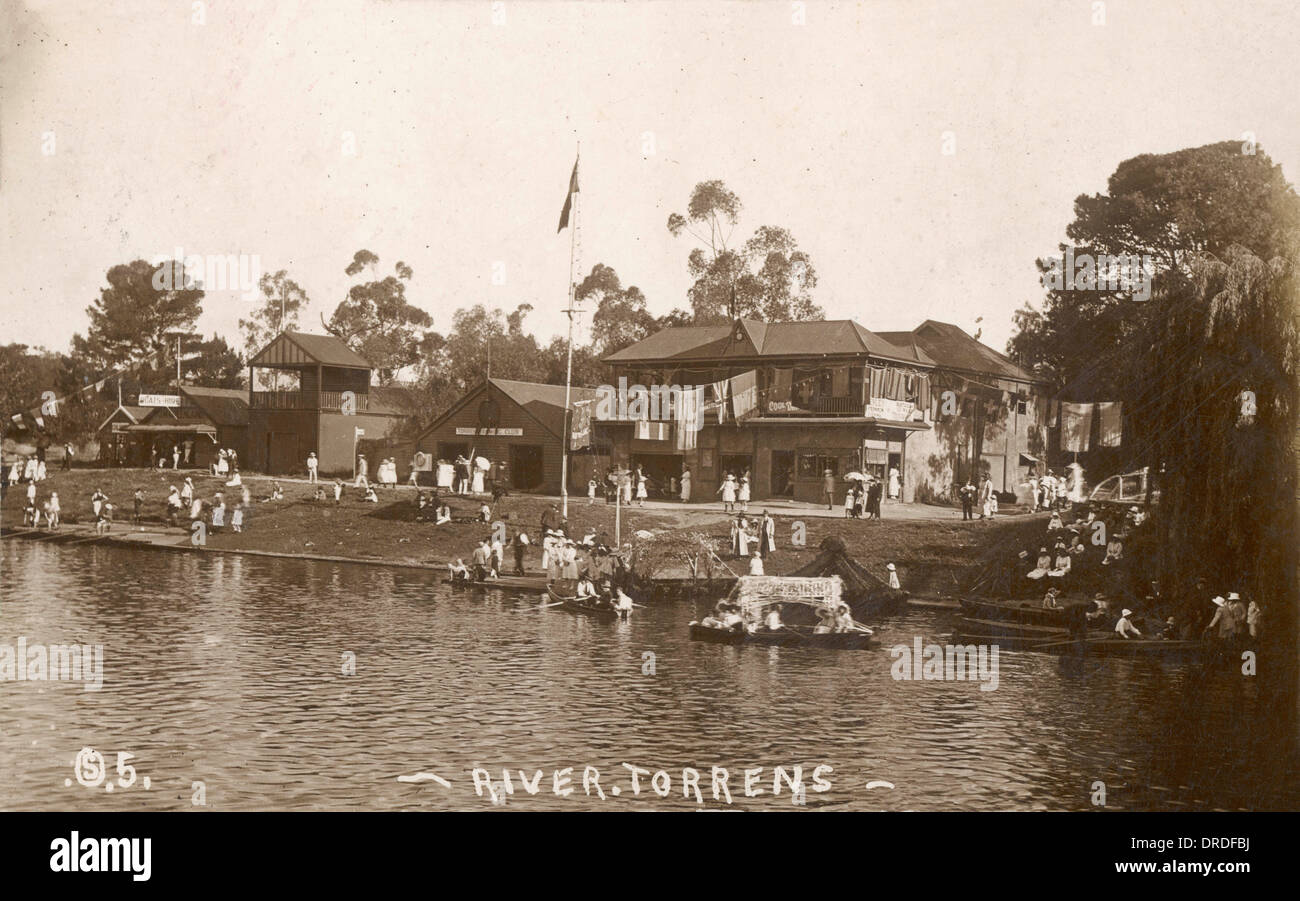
(223, 406)
(768, 339)
(951, 347)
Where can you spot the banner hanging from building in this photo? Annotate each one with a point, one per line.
(1111, 428)
(689, 412)
(720, 397)
(744, 395)
(1076, 426)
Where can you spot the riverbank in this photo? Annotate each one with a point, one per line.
(934, 555)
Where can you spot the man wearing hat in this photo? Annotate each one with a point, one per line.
(1124, 628)
(1224, 619)
(1238, 608)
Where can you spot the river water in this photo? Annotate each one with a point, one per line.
(224, 677)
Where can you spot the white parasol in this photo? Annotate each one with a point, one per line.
(483, 463)
(855, 477)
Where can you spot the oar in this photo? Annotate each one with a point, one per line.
(540, 607)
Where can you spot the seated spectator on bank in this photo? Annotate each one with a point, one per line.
(234, 481)
(1055, 522)
(1043, 565)
(444, 514)
(370, 496)
(275, 495)
(485, 512)
(1061, 566)
(1049, 600)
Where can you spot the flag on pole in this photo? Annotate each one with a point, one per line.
(568, 199)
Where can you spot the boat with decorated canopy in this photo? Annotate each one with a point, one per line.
(812, 613)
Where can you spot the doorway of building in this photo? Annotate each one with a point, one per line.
(783, 473)
(526, 472)
(737, 465)
(895, 463)
(662, 472)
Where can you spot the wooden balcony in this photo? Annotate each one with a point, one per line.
(324, 401)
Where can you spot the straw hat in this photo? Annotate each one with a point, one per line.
(1233, 596)
(1218, 602)
(1126, 612)
(890, 567)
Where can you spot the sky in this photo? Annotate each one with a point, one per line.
(442, 134)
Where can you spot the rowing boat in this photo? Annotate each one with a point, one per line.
(1026, 612)
(1095, 643)
(785, 637)
(520, 583)
(574, 604)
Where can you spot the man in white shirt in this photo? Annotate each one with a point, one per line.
(1124, 628)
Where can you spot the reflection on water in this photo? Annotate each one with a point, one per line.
(228, 671)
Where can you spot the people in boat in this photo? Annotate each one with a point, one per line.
(715, 619)
(1042, 567)
(731, 618)
(1101, 608)
(825, 621)
(458, 570)
(586, 589)
(1124, 627)
(772, 621)
(622, 602)
(756, 564)
(1049, 599)
(844, 619)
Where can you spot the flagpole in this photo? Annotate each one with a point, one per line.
(568, 368)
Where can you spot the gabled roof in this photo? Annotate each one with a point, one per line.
(952, 348)
(292, 349)
(750, 338)
(223, 406)
(133, 413)
(544, 403)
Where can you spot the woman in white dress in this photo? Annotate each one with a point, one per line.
(641, 493)
(686, 485)
(728, 491)
(895, 483)
(743, 495)
(477, 486)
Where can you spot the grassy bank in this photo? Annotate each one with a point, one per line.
(932, 557)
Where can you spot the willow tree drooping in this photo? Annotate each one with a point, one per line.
(1217, 409)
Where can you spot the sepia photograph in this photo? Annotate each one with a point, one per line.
(880, 408)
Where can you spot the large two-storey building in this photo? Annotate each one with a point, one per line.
(788, 402)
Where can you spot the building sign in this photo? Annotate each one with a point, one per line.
(884, 408)
(160, 400)
(490, 433)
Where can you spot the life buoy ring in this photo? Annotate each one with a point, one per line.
(421, 460)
